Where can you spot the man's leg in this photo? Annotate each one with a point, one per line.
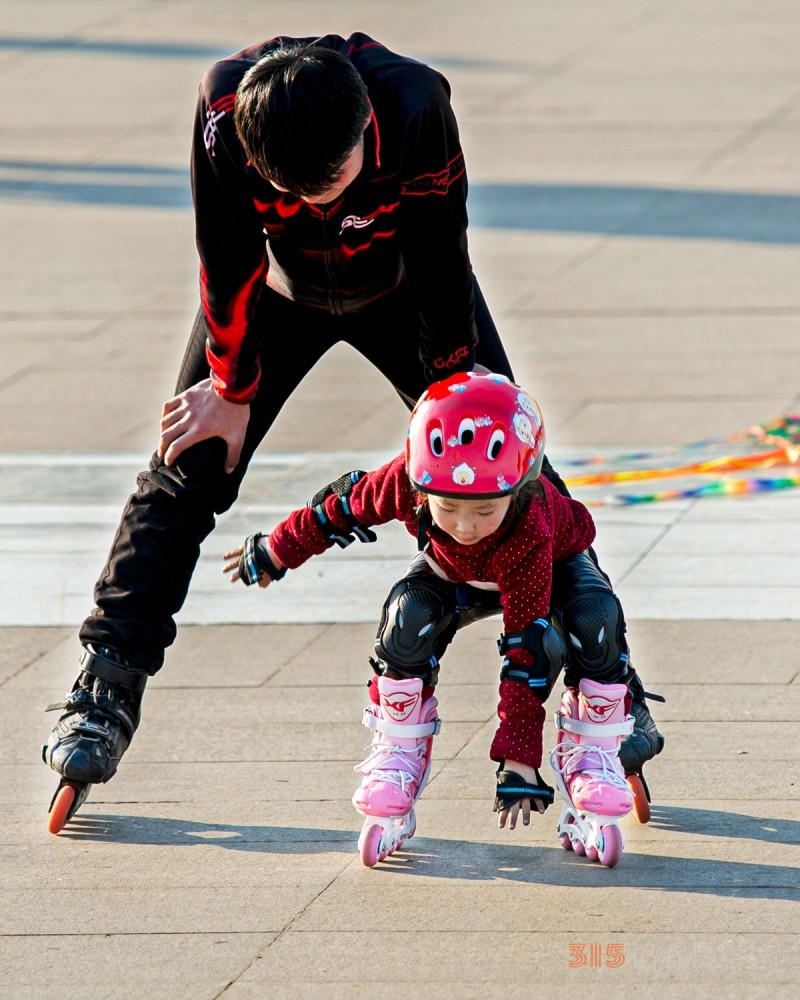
(157, 545)
(152, 559)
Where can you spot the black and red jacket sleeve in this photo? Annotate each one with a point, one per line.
(230, 241)
(433, 229)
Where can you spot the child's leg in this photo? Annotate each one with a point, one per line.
(419, 618)
(591, 722)
(404, 723)
(593, 625)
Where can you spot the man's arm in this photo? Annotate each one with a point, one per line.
(433, 234)
(233, 267)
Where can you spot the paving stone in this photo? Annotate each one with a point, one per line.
(633, 191)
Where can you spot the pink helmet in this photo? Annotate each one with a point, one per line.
(474, 436)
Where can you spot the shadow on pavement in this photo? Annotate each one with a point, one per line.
(489, 862)
(725, 824)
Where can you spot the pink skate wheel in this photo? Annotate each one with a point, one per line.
(565, 842)
(591, 853)
(641, 804)
(610, 850)
(60, 809)
(369, 846)
(578, 848)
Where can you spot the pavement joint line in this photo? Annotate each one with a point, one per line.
(747, 136)
(261, 952)
(680, 515)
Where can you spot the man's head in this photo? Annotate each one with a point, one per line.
(300, 114)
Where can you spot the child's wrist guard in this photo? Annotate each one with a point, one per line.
(512, 788)
(255, 560)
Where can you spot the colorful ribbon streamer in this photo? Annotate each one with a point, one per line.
(761, 447)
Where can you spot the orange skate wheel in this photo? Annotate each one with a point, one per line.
(61, 808)
(641, 803)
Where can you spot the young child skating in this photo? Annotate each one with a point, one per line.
(489, 532)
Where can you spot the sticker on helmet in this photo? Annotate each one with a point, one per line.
(527, 404)
(523, 428)
(463, 474)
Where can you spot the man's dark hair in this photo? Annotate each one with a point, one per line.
(300, 112)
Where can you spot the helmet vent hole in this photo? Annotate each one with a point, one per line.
(466, 431)
(436, 442)
(495, 443)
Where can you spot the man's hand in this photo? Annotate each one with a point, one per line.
(197, 415)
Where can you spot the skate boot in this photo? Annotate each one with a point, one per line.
(101, 715)
(642, 745)
(588, 773)
(397, 768)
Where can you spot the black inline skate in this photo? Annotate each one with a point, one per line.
(101, 715)
(642, 745)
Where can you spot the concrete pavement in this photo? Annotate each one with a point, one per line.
(636, 223)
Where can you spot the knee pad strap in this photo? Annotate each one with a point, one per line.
(546, 647)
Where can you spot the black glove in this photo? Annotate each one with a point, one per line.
(512, 788)
(255, 560)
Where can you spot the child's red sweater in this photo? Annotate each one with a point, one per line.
(517, 559)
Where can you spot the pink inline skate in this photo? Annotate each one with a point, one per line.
(588, 773)
(396, 770)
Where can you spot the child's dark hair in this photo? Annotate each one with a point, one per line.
(300, 112)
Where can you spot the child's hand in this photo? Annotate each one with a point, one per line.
(232, 567)
(514, 772)
(511, 814)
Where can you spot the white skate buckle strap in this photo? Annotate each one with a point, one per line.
(371, 721)
(583, 728)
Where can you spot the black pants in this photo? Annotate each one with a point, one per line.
(146, 578)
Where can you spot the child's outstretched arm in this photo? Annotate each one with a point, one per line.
(337, 514)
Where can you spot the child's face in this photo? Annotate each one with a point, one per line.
(468, 521)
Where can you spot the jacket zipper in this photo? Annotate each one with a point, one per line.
(334, 300)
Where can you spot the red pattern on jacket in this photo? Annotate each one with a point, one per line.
(410, 197)
(518, 558)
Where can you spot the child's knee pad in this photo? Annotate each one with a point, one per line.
(419, 620)
(593, 626)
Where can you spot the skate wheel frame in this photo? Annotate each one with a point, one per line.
(382, 836)
(598, 838)
(67, 800)
(641, 797)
